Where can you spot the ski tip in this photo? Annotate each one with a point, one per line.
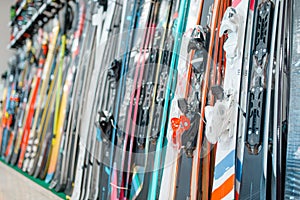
(48, 178)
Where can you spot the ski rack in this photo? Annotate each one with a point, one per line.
(18, 13)
(46, 12)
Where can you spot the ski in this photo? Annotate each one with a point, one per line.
(94, 145)
(109, 130)
(61, 97)
(61, 178)
(154, 99)
(3, 105)
(25, 154)
(106, 106)
(243, 96)
(32, 104)
(12, 102)
(169, 84)
(110, 76)
(67, 86)
(45, 129)
(147, 19)
(6, 118)
(221, 125)
(177, 186)
(202, 155)
(15, 99)
(30, 61)
(81, 82)
(279, 99)
(45, 77)
(292, 154)
(256, 140)
(40, 136)
(79, 188)
(23, 90)
(141, 167)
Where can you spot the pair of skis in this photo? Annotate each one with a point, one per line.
(166, 79)
(190, 100)
(182, 128)
(222, 118)
(85, 184)
(108, 130)
(263, 136)
(134, 79)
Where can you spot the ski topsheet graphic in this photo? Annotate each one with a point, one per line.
(221, 125)
(154, 99)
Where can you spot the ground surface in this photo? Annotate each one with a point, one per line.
(14, 186)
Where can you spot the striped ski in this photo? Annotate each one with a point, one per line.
(141, 175)
(225, 111)
(61, 100)
(147, 18)
(178, 161)
(177, 32)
